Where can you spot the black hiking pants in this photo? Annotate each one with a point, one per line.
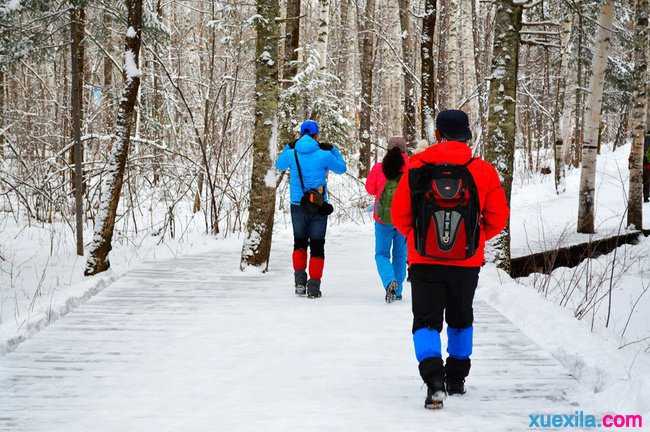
(442, 292)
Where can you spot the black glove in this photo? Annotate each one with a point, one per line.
(326, 146)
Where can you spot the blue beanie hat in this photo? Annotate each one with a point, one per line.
(309, 127)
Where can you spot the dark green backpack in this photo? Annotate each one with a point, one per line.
(386, 200)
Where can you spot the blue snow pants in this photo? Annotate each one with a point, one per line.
(390, 255)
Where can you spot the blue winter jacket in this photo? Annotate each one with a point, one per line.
(314, 164)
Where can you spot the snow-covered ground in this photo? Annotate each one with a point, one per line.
(611, 358)
(193, 344)
(41, 279)
(542, 220)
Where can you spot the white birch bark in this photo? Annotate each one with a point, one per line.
(468, 87)
(639, 117)
(587, 195)
(560, 117)
(566, 125)
(453, 54)
(323, 32)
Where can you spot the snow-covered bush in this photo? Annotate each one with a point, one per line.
(312, 95)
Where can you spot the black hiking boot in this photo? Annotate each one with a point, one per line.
(435, 397)
(313, 288)
(300, 278)
(391, 290)
(455, 386)
(455, 373)
(433, 374)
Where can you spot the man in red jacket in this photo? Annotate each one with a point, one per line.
(447, 204)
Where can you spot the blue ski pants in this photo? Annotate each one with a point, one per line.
(390, 255)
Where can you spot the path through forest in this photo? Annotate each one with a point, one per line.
(192, 344)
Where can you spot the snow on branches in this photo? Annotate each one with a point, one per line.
(312, 89)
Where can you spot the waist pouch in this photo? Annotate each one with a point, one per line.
(313, 200)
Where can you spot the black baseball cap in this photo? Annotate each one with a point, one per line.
(453, 125)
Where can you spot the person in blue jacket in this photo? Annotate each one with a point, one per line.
(315, 161)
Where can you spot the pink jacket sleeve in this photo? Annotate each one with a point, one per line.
(375, 182)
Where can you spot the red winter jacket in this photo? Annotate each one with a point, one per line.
(492, 200)
(376, 182)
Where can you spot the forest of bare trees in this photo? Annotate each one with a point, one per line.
(110, 110)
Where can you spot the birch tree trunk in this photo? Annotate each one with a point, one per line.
(453, 54)
(481, 16)
(108, 74)
(468, 86)
(647, 93)
(2, 114)
(366, 59)
(343, 47)
(566, 125)
(323, 33)
(427, 76)
(442, 24)
(208, 139)
(579, 110)
(639, 117)
(112, 181)
(587, 195)
(409, 122)
(158, 105)
(259, 228)
(77, 25)
(290, 68)
(558, 118)
(500, 146)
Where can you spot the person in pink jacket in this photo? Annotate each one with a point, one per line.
(390, 245)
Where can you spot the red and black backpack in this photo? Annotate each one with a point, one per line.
(446, 211)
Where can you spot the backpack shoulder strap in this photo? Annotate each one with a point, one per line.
(302, 181)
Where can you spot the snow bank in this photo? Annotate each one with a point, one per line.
(41, 278)
(542, 220)
(614, 378)
(60, 303)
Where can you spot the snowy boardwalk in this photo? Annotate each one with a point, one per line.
(193, 345)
